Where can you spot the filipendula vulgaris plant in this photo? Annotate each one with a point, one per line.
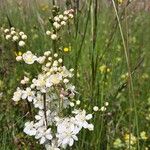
(58, 119)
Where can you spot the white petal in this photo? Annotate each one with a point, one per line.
(42, 140)
(33, 132)
(88, 117)
(75, 137)
(65, 141)
(91, 127)
(49, 136)
(24, 96)
(71, 141)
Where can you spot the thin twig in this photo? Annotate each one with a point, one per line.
(44, 101)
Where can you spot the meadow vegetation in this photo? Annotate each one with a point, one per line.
(107, 45)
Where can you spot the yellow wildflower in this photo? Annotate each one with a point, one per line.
(118, 143)
(108, 69)
(130, 137)
(104, 69)
(143, 135)
(67, 49)
(120, 1)
(18, 53)
(125, 76)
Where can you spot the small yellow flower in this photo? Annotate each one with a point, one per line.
(118, 143)
(143, 135)
(67, 49)
(127, 139)
(125, 76)
(18, 53)
(104, 69)
(120, 1)
(108, 70)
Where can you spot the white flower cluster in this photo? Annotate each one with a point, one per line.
(15, 36)
(60, 21)
(102, 109)
(58, 121)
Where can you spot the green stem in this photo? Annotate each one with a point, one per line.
(130, 82)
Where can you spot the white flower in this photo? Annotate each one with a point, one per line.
(56, 25)
(91, 127)
(32, 86)
(43, 134)
(24, 37)
(55, 63)
(106, 103)
(21, 33)
(89, 116)
(71, 70)
(28, 94)
(8, 37)
(15, 38)
(49, 58)
(66, 12)
(48, 64)
(13, 32)
(81, 119)
(40, 83)
(12, 28)
(95, 108)
(18, 58)
(28, 57)
(78, 102)
(6, 30)
(103, 108)
(53, 36)
(29, 128)
(60, 60)
(38, 101)
(65, 72)
(61, 16)
(48, 32)
(66, 132)
(71, 16)
(71, 104)
(53, 80)
(17, 95)
(56, 18)
(21, 43)
(52, 146)
(51, 92)
(41, 59)
(47, 53)
(65, 81)
(22, 82)
(63, 23)
(55, 55)
(65, 18)
(25, 80)
(40, 117)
